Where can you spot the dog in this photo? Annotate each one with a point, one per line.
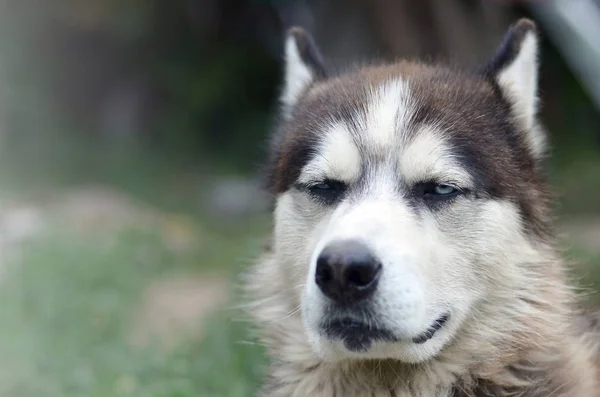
(413, 250)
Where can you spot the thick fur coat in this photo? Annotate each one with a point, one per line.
(439, 174)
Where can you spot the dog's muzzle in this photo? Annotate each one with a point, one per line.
(348, 274)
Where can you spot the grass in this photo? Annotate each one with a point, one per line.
(69, 299)
(67, 311)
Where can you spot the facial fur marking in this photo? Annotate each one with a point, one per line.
(337, 158)
(429, 157)
(388, 114)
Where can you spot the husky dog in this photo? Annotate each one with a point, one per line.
(413, 252)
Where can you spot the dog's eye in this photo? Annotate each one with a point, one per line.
(443, 190)
(328, 190)
(439, 190)
(321, 187)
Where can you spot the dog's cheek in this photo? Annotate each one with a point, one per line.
(298, 224)
(452, 275)
(454, 234)
(502, 244)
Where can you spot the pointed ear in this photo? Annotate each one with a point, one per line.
(515, 70)
(303, 65)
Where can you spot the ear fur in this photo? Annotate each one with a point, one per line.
(303, 65)
(515, 69)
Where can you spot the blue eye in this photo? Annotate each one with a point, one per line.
(444, 190)
(327, 191)
(439, 190)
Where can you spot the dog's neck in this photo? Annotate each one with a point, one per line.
(555, 363)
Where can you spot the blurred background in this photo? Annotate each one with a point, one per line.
(131, 138)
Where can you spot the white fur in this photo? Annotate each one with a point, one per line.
(428, 157)
(378, 221)
(298, 76)
(519, 81)
(389, 112)
(338, 157)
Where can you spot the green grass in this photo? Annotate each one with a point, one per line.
(69, 301)
(66, 313)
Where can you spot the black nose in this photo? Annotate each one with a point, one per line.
(347, 271)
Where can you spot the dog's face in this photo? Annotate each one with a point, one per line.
(405, 196)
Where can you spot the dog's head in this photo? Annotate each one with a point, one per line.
(406, 195)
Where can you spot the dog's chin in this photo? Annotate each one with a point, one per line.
(346, 339)
(334, 351)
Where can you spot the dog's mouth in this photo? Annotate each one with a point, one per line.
(358, 336)
(433, 328)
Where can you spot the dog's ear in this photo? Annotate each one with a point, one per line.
(303, 65)
(515, 69)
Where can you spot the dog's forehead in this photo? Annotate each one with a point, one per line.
(451, 117)
(418, 115)
(407, 94)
